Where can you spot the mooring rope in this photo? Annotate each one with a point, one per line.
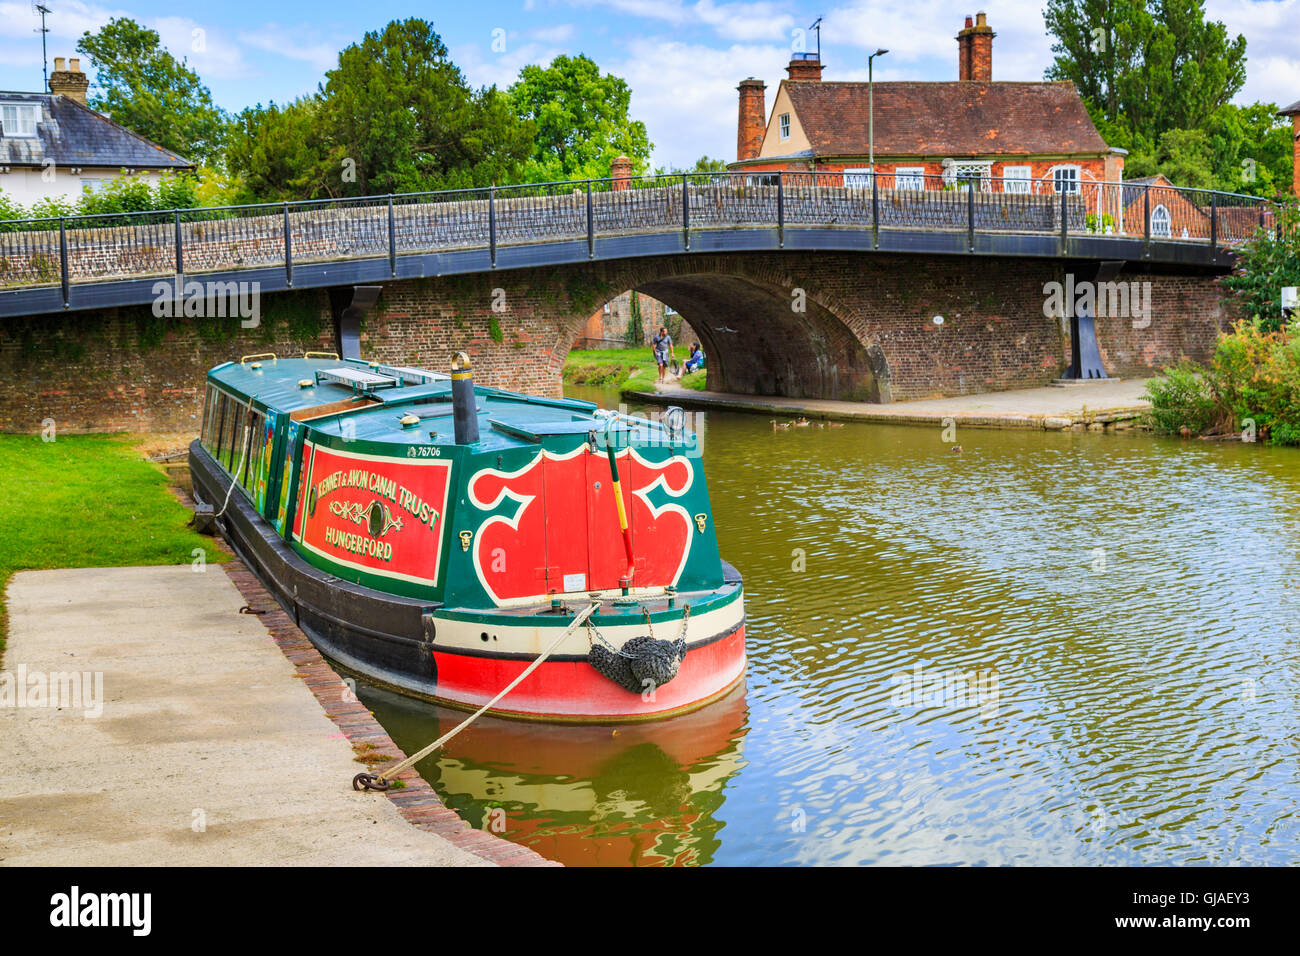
(379, 781)
(248, 441)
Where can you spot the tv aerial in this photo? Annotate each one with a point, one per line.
(41, 10)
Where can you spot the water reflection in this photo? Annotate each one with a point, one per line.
(631, 795)
(1052, 648)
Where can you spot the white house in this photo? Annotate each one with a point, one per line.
(53, 144)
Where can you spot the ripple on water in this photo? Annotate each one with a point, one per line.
(1055, 648)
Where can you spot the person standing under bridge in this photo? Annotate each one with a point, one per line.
(662, 344)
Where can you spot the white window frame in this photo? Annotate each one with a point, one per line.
(769, 178)
(783, 126)
(857, 178)
(1017, 179)
(1067, 168)
(16, 129)
(1166, 229)
(984, 168)
(909, 177)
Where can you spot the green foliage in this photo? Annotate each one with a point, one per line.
(1253, 379)
(1264, 265)
(395, 115)
(494, 329)
(275, 152)
(634, 334)
(144, 88)
(1158, 80)
(122, 194)
(1157, 63)
(1181, 399)
(580, 118)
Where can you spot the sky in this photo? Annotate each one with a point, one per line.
(682, 58)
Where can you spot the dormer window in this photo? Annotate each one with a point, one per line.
(783, 124)
(19, 119)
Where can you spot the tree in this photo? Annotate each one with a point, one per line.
(398, 116)
(144, 88)
(1154, 64)
(276, 151)
(581, 120)
(1269, 261)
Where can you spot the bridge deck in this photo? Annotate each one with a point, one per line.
(96, 262)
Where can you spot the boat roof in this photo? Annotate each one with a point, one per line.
(374, 398)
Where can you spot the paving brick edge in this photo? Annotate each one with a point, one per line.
(417, 801)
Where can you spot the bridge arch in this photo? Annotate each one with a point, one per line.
(765, 331)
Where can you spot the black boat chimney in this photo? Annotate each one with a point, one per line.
(463, 404)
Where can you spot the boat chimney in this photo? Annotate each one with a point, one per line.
(463, 404)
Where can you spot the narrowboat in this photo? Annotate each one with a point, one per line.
(435, 536)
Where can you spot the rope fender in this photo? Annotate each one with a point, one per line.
(642, 663)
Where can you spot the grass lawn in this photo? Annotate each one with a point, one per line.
(625, 369)
(87, 501)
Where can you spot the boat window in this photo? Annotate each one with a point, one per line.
(223, 425)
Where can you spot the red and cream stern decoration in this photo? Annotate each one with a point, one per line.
(564, 534)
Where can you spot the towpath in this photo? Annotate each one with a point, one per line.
(1103, 404)
(209, 744)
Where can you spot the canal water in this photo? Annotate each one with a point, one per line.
(1051, 648)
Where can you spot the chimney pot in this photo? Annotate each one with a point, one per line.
(58, 64)
(74, 65)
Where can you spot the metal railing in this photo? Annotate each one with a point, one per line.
(97, 248)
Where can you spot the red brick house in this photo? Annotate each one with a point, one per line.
(1006, 136)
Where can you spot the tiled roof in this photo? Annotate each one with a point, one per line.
(1291, 110)
(946, 119)
(74, 135)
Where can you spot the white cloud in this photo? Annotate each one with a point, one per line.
(686, 93)
(739, 21)
(294, 43)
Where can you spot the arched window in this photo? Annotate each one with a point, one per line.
(1161, 223)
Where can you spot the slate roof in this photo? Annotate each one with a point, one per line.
(75, 135)
(962, 118)
(1291, 110)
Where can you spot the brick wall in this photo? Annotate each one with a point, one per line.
(865, 332)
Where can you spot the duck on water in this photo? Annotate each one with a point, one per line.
(435, 536)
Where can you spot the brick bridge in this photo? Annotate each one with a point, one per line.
(802, 287)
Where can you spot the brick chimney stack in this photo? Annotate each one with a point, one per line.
(620, 171)
(753, 119)
(805, 66)
(975, 50)
(69, 82)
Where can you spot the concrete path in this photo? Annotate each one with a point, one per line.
(1101, 402)
(208, 750)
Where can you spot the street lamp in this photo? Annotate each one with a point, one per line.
(871, 112)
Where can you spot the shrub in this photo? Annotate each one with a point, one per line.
(1182, 398)
(1254, 377)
